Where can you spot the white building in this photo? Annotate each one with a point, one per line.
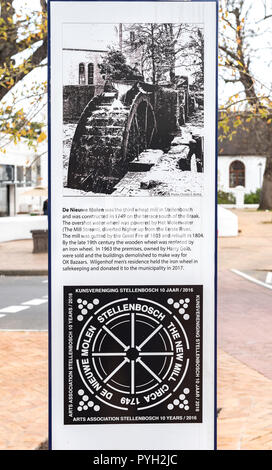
(80, 66)
(20, 170)
(242, 159)
(240, 170)
(81, 80)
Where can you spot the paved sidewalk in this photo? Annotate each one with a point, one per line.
(244, 322)
(245, 397)
(252, 249)
(23, 386)
(16, 258)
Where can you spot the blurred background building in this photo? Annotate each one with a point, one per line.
(21, 169)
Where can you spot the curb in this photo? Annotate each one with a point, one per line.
(23, 272)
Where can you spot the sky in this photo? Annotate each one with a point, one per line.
(92, 36)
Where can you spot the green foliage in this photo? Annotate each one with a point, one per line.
(225, 198)
(253, 197)
(23, 48)
(114, 67)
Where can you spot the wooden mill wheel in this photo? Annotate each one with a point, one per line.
(141, 128)
(108, 136)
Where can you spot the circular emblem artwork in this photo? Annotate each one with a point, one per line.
(133, 358)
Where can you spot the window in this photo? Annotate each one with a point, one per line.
(38, 174)
(237, 174)
(81, 70)
(28, 176)
(4, 209)
(20, 176)
(6, 172)
(90, 74)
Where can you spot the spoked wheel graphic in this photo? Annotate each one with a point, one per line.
(138, 365)
(133, 357)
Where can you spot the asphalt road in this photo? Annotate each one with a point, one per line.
(23, 303)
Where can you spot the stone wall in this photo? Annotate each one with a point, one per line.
(167, 115)
(75, 98)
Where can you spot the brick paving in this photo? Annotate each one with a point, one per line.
(244, 308)
(23, 386)
(166, 183)
(244, 326)
(244, 335)
(245, 397)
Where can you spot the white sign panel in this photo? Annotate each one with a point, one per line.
(133, 226)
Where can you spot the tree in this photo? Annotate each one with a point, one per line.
(252, 102)
(164, 49)
(197, 44)
(23, 48)
(143, 42)
(115, 67)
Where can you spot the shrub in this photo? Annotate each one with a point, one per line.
(253, 197)
(225, 198)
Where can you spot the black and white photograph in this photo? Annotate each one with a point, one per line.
(133, 109)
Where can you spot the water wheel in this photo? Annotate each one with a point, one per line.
(141, 128)
(111, 132)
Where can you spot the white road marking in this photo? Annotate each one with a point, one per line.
(45, 282)
(268, 279)
(14, 309)
(252, 279)
(34, 302)
(23, 306)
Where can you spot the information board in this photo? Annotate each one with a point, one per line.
(132, 113)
